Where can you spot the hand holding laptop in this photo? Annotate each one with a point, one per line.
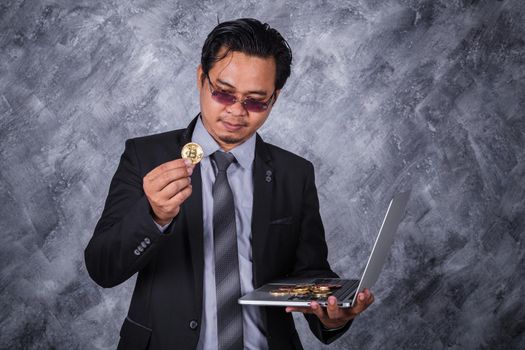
(333, 316)
(335, 301)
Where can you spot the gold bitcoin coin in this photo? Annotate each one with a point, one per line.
(320, 289)
(298, 292)
(192, 151)
(279, 293)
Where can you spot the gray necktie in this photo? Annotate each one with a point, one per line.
(229, 312)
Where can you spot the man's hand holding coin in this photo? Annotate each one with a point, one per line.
(167, 187)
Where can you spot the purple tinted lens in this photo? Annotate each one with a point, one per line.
(255, 106)
(228, 99)
(224, 98)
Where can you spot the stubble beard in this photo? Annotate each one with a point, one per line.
(230, 140)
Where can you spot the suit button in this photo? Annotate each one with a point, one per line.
(194, 324)
(143, 244)
(136, 252)
(140, 248)
(147, 240)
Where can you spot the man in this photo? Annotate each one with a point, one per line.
(202, 235)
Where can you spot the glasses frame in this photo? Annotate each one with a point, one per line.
(214, 92)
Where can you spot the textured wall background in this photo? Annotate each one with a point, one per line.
(383, 94)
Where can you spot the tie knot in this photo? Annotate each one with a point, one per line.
(223, 160)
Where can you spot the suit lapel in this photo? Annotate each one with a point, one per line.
(263, 180)
(192, 208)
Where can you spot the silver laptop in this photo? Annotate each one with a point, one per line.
(301, 291)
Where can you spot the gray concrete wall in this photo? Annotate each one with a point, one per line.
(384, 95)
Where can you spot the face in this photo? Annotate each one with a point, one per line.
(244, 77)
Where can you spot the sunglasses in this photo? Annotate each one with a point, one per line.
(249, 104)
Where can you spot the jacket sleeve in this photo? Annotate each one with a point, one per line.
(312, 253)
(125, 237)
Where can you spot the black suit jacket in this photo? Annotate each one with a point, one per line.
(166, 306)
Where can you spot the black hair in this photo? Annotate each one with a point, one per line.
(251, 37)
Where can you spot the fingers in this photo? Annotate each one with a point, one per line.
(168, 209)
(163, 179)
(164, 167)
(318, 310)
(181, 196)
(364, 299)
(304, 310)
(173, 188)
(167, 187)
(175, 196)
(314, 308)
(333, 309)
(333, 314)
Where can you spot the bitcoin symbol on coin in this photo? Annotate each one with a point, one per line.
(192, 151)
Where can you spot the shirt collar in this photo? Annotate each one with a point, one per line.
(244, 153)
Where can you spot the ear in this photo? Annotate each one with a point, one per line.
(200, 77)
